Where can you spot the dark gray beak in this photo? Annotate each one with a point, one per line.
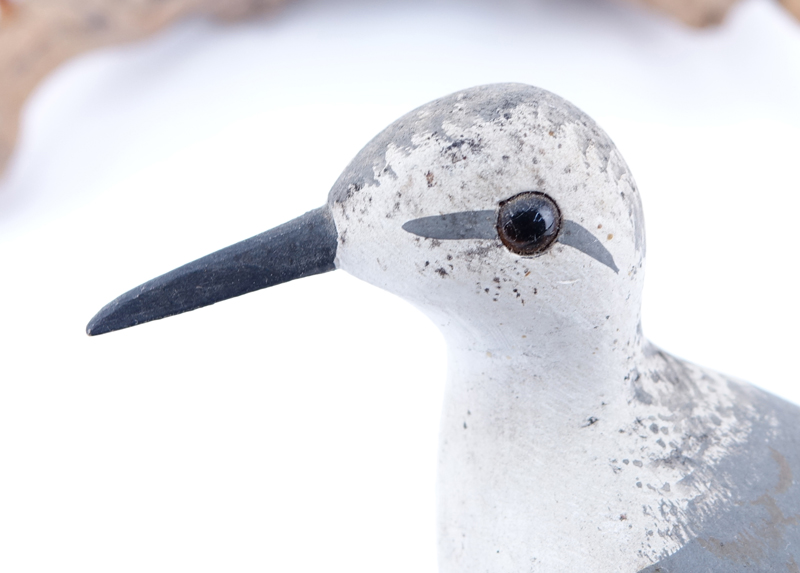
(300, 248)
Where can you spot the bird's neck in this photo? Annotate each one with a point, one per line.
(559, 370)
(532, 398)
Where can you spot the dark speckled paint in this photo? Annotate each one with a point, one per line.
(465, 108)
(487, 103)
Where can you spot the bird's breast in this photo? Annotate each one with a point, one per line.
(533, 471)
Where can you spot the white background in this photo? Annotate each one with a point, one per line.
(294, 429)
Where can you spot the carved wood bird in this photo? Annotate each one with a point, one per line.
(568, 441)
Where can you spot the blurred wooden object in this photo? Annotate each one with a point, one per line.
(792, 6)
(702, 13)
(696, 13)
(38, 35)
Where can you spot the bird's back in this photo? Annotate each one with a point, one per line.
(747, 520)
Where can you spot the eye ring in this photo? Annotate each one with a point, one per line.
(528, 223)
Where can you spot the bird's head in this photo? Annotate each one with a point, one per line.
(501, 206)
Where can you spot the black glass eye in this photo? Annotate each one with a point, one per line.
(528, 223)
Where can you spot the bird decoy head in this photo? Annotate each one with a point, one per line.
(494, 207)
(493, 204)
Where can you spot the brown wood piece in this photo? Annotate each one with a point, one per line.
(695, 13)
(793, 6)
(702, 13)
(36, 36)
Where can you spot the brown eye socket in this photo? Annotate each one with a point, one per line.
(528, 223)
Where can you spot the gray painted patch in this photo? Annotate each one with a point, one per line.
(487, 103)
(758, 529)
(461, 225)
(575, 236)
(483, 225)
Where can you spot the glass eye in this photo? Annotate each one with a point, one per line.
(528, 223)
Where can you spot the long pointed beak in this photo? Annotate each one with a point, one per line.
(300, 248)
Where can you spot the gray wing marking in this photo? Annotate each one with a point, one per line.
(758, 530)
